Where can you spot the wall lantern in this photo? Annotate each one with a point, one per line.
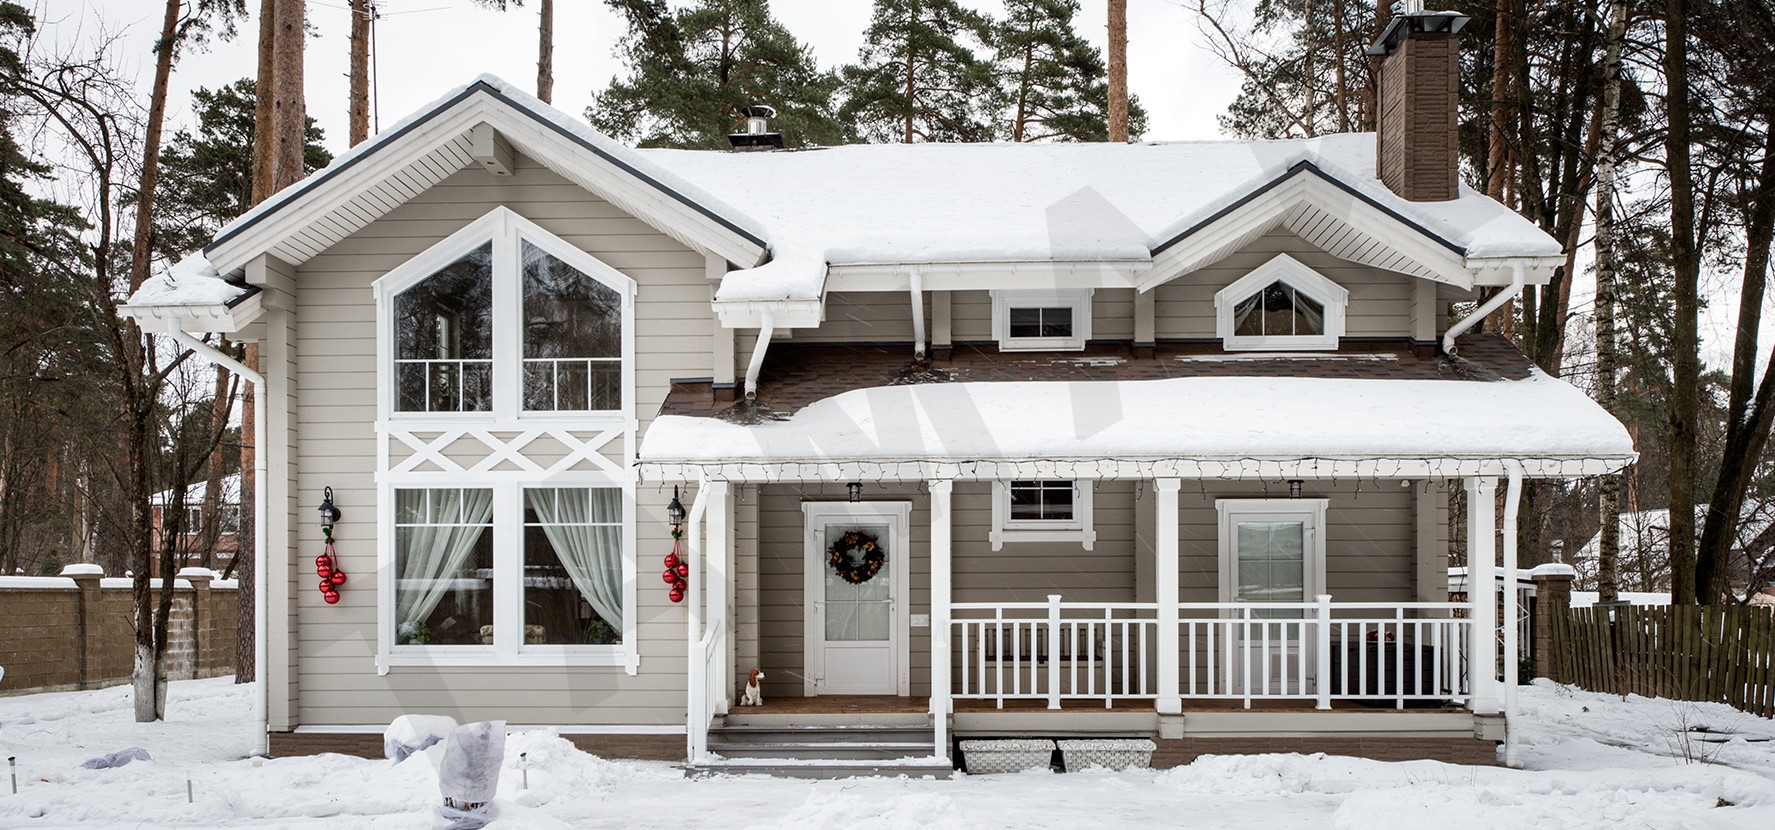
(856, 491)
(675, 514)
(328, 513)
(1294, 488)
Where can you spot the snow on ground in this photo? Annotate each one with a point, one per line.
(1592, 761)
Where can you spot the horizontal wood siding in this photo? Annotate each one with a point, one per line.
(1380, 301)
(336, 332)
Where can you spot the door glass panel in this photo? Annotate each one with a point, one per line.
(1271, 565)
(859, 612)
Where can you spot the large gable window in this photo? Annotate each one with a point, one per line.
(505, 319)
(1282, 304)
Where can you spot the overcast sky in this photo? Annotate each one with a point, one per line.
(428, 46)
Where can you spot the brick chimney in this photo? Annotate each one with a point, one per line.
(1417, 153)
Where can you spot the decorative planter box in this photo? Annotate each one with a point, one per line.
(1009, 755)
(1110, 753)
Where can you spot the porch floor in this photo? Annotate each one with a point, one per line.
(886, 704)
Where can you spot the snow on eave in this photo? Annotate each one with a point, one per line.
(192, 290)
(742, 228)
(1216, 427)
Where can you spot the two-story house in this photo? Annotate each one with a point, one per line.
(985, 440)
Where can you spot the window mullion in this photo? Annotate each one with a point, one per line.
(508, 569)
(508, 309)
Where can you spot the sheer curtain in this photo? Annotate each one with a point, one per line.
(585, 528)
(431, 553)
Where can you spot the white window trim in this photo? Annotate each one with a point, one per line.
(1313, 510)
(1335, 298)
(509, 648)
(1079, 300)
(506, 230)
(1077, 529)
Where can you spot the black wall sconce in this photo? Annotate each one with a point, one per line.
(328, 513)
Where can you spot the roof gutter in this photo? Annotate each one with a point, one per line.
(1518, 278)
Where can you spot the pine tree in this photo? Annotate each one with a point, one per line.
(1053, 81)
(918, 79)
(208, 176)
(691, 70)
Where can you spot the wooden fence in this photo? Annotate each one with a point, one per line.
(1682, 652)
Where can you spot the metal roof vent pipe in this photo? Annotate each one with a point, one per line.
(757, 135)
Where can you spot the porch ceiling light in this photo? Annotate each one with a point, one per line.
(675, 509)
(328, 513)
(856, 490)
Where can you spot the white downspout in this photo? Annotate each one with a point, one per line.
(261, 690)
(766, 329)
(1512, 628)
(917, 314)
(1518, 278)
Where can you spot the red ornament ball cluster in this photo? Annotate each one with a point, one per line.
(326, 566)
(677, 573)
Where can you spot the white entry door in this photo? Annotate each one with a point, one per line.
(856, 636)
(1272, 551)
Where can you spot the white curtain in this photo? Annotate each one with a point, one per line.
(430, 553)
(585, 528)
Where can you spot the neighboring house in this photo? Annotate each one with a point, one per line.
(192, 528)
(1149, 439)
(1643, 560)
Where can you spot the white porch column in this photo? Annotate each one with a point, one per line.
(1512, 628)
(696, 727)
(1482, 587)
(719, 557)
(940, 590)
(1165, 592)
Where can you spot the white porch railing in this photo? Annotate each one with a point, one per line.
(1054, 651)
(708, 677)
(1322, 651)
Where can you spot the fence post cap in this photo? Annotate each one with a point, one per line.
(195, 575)
(1554, 570)
(86, 569)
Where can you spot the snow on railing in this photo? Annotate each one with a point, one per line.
(1322, 651)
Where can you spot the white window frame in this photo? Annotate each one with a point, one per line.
(1311, 510)
(1077, 529)
(509, 648)
(506, 230)
(1079, 300)
(1286, 269)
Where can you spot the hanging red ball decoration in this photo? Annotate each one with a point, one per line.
(676, 594)
(672, 560)
(326, 566)
(677, 571)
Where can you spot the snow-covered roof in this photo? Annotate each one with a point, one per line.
(927, 203)
(192, 290)
(1208, 426)
(197, 492)
(862, 204)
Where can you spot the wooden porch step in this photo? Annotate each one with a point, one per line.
(823, 751)
(822, 770)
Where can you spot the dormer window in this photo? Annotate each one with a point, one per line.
(1026, 321)
(1281, 305)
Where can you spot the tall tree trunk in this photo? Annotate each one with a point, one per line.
(262, 165)
(360, 71)
(1749, 412)
(911, 101)
(1686, 265)
(1608, 359)
(150, 685)
(545, 53)
(221, 406)
(246, 595)
(289, 110)
(1498, 159)
(1118, 71)
(1343, 104)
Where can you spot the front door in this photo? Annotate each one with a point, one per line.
(856, 568)
(1272, 551)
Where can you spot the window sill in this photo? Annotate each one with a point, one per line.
(530, 656)
(1280, 344)
(1049, 344)
(1087, 538)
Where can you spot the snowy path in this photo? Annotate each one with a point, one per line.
(1593, 761)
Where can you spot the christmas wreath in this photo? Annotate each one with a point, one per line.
(842, 558)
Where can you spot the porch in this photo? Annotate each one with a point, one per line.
(1318, 665)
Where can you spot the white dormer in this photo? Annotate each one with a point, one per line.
(1281, 305)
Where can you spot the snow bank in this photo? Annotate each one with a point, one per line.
(1187, 418)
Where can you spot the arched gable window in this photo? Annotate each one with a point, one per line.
(505, 318)
(1282, 304)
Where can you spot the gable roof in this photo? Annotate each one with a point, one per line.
(434, 143)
